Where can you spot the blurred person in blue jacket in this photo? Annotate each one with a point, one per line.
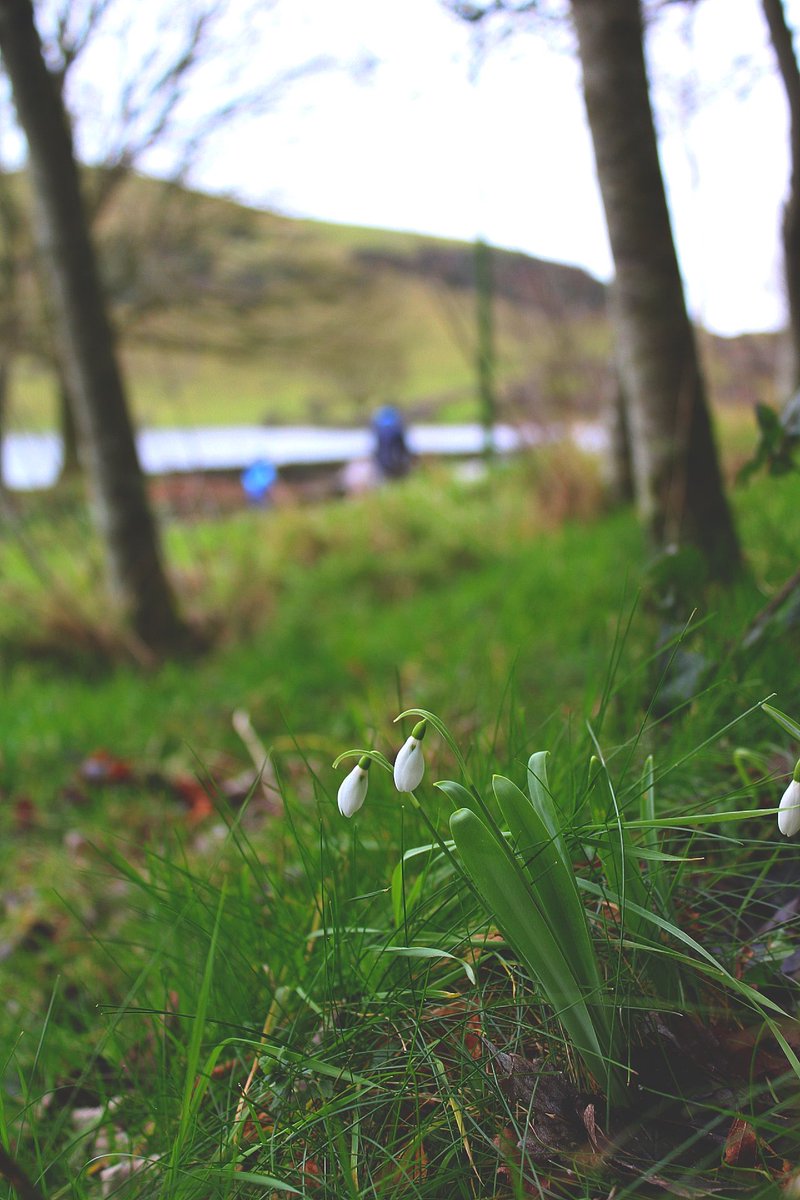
(258, 480)
(391, 453)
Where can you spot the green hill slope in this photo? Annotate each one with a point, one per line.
(227, 314)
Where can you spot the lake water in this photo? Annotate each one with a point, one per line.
(32, 460)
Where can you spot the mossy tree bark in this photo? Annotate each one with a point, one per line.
(677, 478)
(91, 371)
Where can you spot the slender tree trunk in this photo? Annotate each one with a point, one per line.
(70, 461)
(620, 461)
(485, 350)
(4, 376)
(783, 45)
(677, 478)
(107, 445)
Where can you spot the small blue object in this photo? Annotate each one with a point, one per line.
(391, 452)
(258, 479)
(387, 418)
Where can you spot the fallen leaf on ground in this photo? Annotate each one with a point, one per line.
(26, 815)
(741, 1144)
(194, 796)
(101, 767)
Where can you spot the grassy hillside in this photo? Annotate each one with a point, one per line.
(227, 314)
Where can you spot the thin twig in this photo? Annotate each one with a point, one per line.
(262, 758)
(761, 619)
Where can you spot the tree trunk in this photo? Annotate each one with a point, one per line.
(70, 462)
(783, 45)
(107, 445)
(485, 350)
(4, 376)
(677, 479)
(620, 470)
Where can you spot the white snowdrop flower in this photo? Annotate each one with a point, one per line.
(789, 808)
(409, 766)
(353, 789)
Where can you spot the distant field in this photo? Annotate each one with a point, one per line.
(230, 315)
(226, 314)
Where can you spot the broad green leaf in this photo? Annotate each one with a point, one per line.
(508, 898)
(781, 719)
(415, 851)
(456, 792)
(552, 881)
(542, 798)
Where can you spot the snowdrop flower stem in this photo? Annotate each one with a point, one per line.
(439, 726)
(789, 808)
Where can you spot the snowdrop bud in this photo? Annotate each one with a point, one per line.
(409, 766)
(353, 789)
(789, 808)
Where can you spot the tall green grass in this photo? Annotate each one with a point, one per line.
(347, 973)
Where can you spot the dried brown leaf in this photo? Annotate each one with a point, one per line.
(741, 1144)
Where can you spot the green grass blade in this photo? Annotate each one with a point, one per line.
(656, 871)
(192, 1090)
(675, 931)
(426, 952)
(316, 1066)
(694, 820)
(647, 802)
(254, 1177)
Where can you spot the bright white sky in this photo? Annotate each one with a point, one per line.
(419, 146)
